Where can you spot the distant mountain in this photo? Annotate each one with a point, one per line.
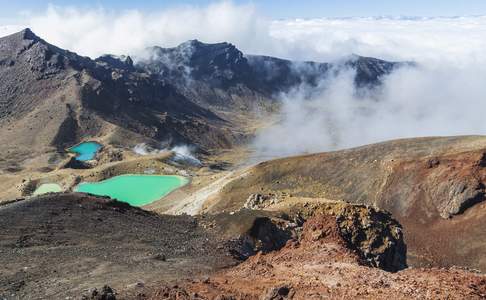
(195, 93)
(197, 68)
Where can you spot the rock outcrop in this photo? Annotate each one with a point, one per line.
(325, 262)
(259, 201)
(372, 234)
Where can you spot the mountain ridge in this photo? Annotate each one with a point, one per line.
(200, 94)
(224, 66)
(54, 98)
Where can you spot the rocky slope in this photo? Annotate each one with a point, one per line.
(66, 245)
(55, 246)
(52, 98)
(433, 186)
(322, 264)
(63, 245)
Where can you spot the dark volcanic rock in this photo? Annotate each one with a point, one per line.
(369, 71)
(117, 62)
(106, 293)
(375, 235)
(50, 97)
(219, 65)
(197, 68)
(279, 293)
(81, 240)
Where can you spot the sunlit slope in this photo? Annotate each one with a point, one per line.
(433, 186)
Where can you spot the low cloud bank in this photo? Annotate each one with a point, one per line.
(421, 101)
(98, 31)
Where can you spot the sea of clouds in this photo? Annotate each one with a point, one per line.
(445, 94)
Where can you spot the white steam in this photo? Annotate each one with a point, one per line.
(144, 149)
(185, 154)
(182, 153)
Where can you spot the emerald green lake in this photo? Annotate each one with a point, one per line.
(86, 151)
(137, 190)
(47, 188)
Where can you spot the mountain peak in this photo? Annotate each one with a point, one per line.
(28, 34)
(198, 44)
(25, 34)
(20, 40)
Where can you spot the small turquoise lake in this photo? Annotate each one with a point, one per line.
(86, 151)
(136, 190)
(47, 188)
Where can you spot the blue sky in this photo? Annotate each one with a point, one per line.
(278, 8)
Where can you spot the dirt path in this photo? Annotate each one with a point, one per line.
(193, 203)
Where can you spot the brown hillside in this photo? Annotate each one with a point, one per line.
(433, 186)
(51, 98)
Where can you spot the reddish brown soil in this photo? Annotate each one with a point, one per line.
(320, 266)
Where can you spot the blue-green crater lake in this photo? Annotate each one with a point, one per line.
(136, 190)
(47, 188)
(85, 151)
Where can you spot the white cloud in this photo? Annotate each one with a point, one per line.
(424, 101)
(421, 39)
(97, 31)
(6, 29)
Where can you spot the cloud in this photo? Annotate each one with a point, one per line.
(444, 95)
(423, 101)
(6, 29)
(98, 31)
(419, 39)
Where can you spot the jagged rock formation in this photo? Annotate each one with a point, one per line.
(374, 236)
(433, 186)
(321, 264)
(221, 76)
